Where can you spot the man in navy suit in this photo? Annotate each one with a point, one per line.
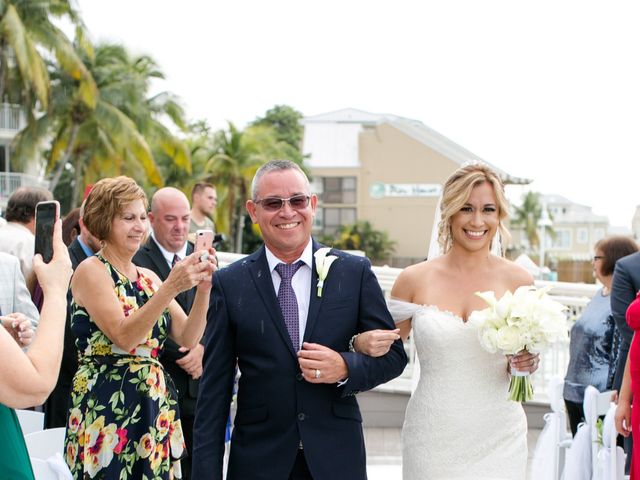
(169, 217)
(624, 288)
(297, 416)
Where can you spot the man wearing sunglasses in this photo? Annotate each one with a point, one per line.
(297, 416)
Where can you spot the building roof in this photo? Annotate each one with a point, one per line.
(416, 130)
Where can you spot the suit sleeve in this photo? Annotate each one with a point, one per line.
(216, 388)
(367, 372)
(623, 292)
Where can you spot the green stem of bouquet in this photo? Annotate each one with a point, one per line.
(520, 389)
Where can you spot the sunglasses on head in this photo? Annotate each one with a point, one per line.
(273, 204)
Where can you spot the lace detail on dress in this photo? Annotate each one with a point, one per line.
(459, 423)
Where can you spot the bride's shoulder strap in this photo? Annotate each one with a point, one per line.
(401, 310)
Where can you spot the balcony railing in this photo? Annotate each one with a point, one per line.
(11, 181)
(554, 359)
(12, 117)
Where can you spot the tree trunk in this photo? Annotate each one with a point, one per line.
(76, 183)
(65, 158)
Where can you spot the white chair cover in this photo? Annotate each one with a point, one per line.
(611, 458)
(578, 462)
(45, 443)
(546, 463)
(30, 421)
(54, 468)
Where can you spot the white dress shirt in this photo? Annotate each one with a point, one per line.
(301, 283)
(168, 256)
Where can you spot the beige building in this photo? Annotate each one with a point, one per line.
(385, 169)
(576, 228)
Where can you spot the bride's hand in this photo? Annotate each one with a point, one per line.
(375, 343)
(524, 361)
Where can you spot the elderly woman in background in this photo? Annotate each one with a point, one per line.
(26, 379)
(591, 346)
(123, 420)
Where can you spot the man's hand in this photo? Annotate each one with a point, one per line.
(320, 364)
(20, 328)
(192, 361)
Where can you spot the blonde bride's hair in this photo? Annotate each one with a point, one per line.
(456, 193)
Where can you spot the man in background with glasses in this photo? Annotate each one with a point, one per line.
(297, 416)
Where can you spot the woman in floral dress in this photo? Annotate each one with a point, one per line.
(124, 421)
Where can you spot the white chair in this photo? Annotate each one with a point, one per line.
(582, 456)
(548, 457)
(45, 443)
(611, 458)
(30, 421)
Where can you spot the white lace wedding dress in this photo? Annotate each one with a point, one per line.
(459, 423)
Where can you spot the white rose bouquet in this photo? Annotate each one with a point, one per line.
(527, 319)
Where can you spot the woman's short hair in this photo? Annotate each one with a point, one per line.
(107, 199)
(613, 249)
(456, 193)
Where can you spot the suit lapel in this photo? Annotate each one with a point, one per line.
(259, 269)
(314, 300)
(162, 267)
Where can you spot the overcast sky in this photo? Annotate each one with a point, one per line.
(547, 90)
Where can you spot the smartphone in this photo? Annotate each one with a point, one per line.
(204, 240)
(47, 214)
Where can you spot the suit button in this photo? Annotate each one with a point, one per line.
(299, 377)
(301, 417)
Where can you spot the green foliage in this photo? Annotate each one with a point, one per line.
(285, 121)
(527, 216)
(362, 236)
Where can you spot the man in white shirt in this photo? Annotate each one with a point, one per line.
(17, 237)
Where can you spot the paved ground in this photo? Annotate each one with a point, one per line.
(384, 457)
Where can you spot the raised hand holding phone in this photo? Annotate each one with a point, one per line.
(204, 241)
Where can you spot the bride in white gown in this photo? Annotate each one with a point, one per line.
(459, 423)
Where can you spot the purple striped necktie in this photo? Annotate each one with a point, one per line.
(288, 301)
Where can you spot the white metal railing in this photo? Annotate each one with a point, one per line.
(554, 359)
(12, 117)
(11, 181)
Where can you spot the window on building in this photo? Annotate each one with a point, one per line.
(329, 220)
(563, 239)
(338, 190)
(582, 235)
(598, 234)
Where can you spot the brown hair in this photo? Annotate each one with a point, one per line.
(613, 249)
(456, 192)
(199, 187)
(70, 223)
(21, 206)
(107, 200)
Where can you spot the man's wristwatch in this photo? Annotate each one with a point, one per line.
(352, 348)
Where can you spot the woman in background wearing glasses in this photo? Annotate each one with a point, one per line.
(591, 346)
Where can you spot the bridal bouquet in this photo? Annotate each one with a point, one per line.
(527, 319)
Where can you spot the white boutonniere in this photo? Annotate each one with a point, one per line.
(323, 263)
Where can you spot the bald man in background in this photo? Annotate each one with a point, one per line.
(167, 244)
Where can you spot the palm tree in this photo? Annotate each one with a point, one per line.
(120, 135)
(26, 29)
(527, 217)
(362, 236)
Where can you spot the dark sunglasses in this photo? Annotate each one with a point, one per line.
(273, 204)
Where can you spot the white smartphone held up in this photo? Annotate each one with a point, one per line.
(47, 214)
(204, 241)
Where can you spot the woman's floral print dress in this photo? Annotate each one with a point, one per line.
(123, 421)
